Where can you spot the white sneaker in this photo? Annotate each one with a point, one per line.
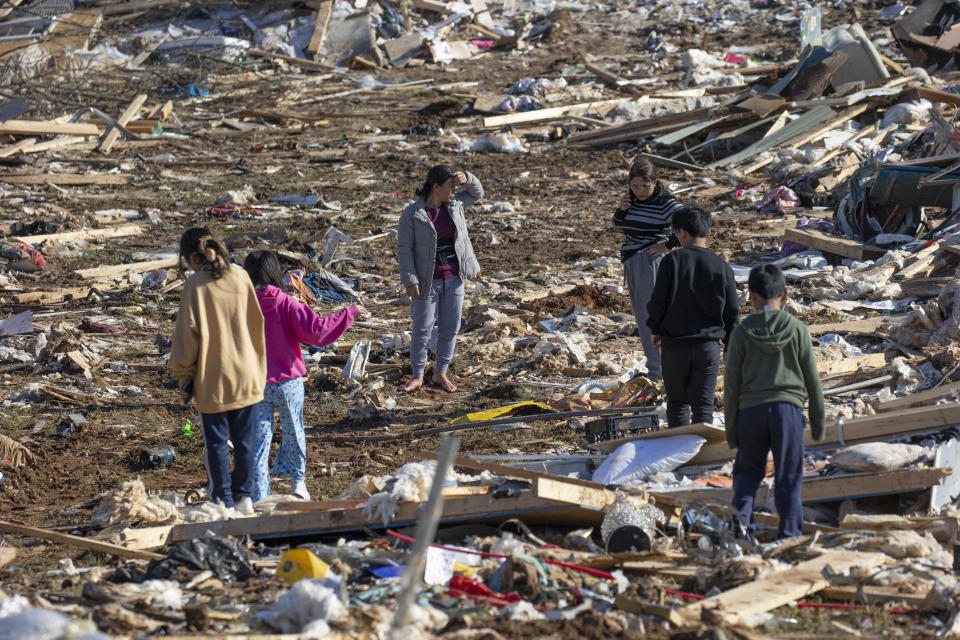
(244, 506)
(299, 490)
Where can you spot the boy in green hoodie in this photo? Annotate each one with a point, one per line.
(770, 373)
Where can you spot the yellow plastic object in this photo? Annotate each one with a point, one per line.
(463, 569)
(297, 564)
(510, 409)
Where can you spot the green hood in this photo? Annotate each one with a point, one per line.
(769, 330)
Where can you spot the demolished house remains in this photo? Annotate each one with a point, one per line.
(545, 496)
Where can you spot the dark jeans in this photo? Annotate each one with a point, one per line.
(240, 427)
(690, 379)
(776, 427)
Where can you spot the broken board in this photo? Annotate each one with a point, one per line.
(780, 588)
(831, 244)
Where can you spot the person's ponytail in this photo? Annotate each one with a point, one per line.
(198, 243)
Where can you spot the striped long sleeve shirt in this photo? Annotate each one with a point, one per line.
(647, 222)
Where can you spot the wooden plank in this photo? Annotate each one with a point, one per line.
(31, 127)
(76, 541)
(482, 508)
(16, 147)
(926, 287)
(60, 142)
(625, 602)
(547, 114)
(113, 134)
(921, 260)
(919, 398)
(854, 430)
(161, 111)
(562, 491)
(865, 326)
(826, 489)
(120, 231)
(847, 365)
(931, 94)
(64, 178)
(320, 27)
(779, 588)
(46, 297)
(711, 432)
(114, 270)
(831, 244)
(660, 568)
(873, 594)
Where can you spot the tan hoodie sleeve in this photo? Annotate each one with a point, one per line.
(186, 339)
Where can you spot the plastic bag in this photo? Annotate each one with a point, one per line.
(222, 556)
(877, 456)
(634, 461)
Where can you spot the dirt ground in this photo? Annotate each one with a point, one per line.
(562, 200)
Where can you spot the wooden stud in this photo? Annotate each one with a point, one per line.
(831, 244)
(31, 127)
(113, 134)
(918, 398)
(848, 365)
(320, 28)
(86, 234)
(540, 115)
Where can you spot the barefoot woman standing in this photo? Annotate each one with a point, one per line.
(436, 258)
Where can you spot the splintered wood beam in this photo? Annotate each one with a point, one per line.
(320, 27)
(113, 134)
(779, 588)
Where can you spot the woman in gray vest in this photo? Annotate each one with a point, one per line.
(436, 259)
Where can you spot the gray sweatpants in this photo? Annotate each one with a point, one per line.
(640, 272)
(442, 307)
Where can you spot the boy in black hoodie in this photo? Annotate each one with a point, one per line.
(771, 371)
(694, 305)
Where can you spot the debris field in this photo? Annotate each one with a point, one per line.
(823, 139)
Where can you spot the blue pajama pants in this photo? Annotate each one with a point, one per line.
(286, 400)
(776, 427)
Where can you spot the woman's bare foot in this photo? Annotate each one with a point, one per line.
(444, 382)
(413, 383)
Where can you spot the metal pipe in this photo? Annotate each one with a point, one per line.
(858, 385)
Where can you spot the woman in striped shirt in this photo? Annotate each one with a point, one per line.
(645, 216)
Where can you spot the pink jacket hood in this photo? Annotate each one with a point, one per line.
(288, 323)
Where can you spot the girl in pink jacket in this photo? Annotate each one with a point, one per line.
(287, 323)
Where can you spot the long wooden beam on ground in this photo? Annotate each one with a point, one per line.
(114, 270)
(854, 430)
(76, 541)
(546, 114)
(85, 234)
(930, 396)
(47, 297)
(847, 365)
(476, 508)
(779, 588)
(64, 178)
(827, 489)
(44, 128)
(832, 244)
